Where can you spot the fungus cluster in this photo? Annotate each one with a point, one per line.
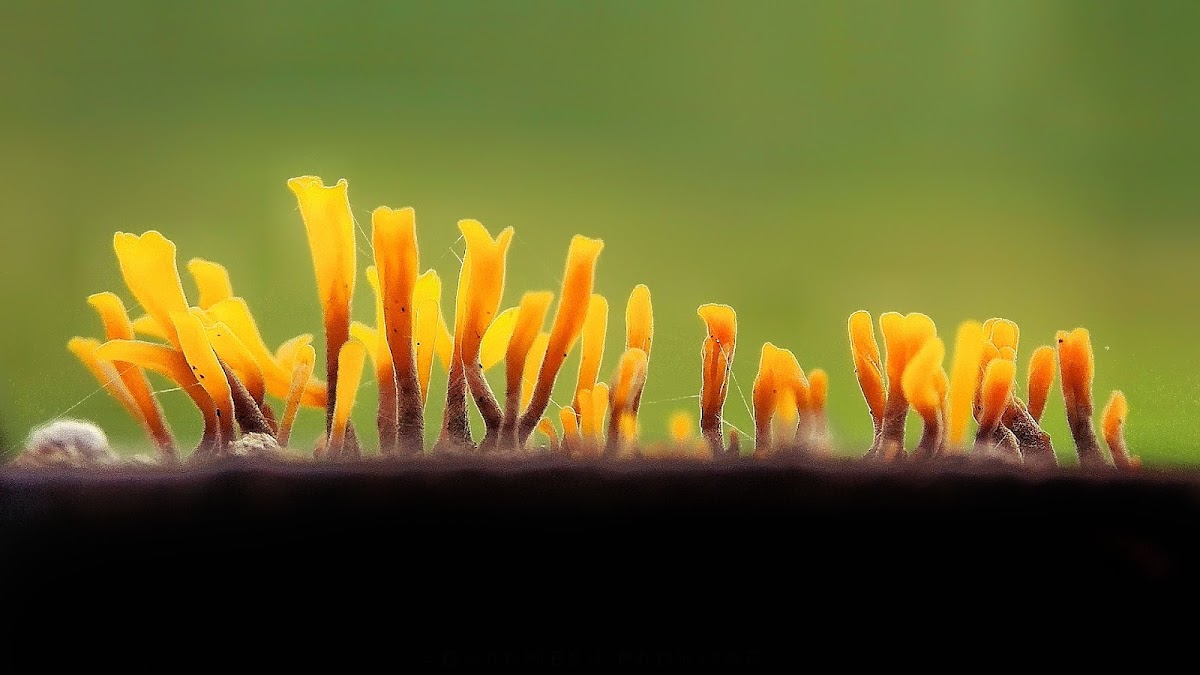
(980, 386)
(211, 348)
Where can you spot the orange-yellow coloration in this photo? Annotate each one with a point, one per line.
(146, 409)
(286, 354)
(212, 280)
(718, 350)
(964, 381)
(193, 342)
(868, 367)
(329, 225)
(394, 239)
(531, 315)
(920, 381)
(166, 361)
(1077, 365)
(591, 344)
(682, 426)
(482, 279)
(238, 357)
(533, 365)
(570, 425)
(628, 380)
(818, 390)
(780, 390)
(277, 375)
(302, 369)
(903, 337)
(1003, 334)
(1113, 418)
(547, 429)
(381, 354)
(599, 412)
(627, 432)
(1041, 378)
(351, 360)
(148, 266)
(997, 392)
(431, 337)
(106, 373)
(148, 326)
(496, 338)
(578, 280)
(639, 320)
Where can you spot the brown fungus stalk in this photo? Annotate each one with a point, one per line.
(377, 347)
(1077, 366)
(394, 239)
(481, 283)
(716, 358)
(568, 322)
(329, 225)
(520, 357)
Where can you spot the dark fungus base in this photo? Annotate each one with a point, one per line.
(429, 555)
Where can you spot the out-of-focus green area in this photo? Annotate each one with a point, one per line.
(1036, 160)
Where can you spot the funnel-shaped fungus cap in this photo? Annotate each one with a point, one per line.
(1041, 378)
(330, 227)
(964, 381)
(212, 280)
(483, 271)
(148, 266)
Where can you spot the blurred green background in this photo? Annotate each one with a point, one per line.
(1036, 160)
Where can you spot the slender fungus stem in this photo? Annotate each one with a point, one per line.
(571, 441)
(531, 315)
(1115, 412)
(353, 358)
(375, 340)
(716, 359)
(1077, 365)
(547, 429)
(639, 332)
(1036, 448)
(171, 363)
(330, 228)
(301, 371)
(591, 344)
(868, 368)
(568, 322)
(204, 363)
(818, 393)
(485, 268)
(394, 238)
(144, 406)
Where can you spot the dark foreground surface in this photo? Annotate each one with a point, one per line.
(738, 561)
